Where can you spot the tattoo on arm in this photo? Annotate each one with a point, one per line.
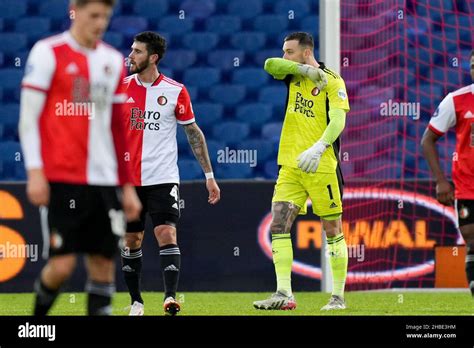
(284, 214)
(197, 141)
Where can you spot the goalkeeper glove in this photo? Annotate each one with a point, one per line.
(308, 161)
(318, 76)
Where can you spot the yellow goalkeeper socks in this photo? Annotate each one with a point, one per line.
(338, 259)
(282, 259)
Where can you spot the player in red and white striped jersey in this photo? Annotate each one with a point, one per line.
(456, 110)
(156, 105)
(74, 146)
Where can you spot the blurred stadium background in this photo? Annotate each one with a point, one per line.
(396, 50)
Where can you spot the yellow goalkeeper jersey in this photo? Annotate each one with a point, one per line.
(307, 116)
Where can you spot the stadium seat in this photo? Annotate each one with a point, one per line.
(201, 77)
(264, 148)
(311, 24)
(2, 23)
(151, 9)
(11, 161)
(227, 95)
(275, 95)
(13, 9)
(181, 138)
(167, 72)
(213, 147)
(189, 169)
(252, 78)
(179, 59)
(271, 169)
(249, 41)
(231, 132)
(270, 24)
(193, 92)
(300, 8)
(198, 8)
(263, 55)
(245, 9)
(54, 9)
(12, 42)
(129, 25)
(10, 78)
(201, 42)
(34, 27)
(226, 59)
(223, 24)
(208, 114)
(9, 117)
(175, 26)
(256, 114)
(233, 171)
(272, 131)
(114, 39)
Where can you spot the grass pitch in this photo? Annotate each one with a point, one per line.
(220, 303)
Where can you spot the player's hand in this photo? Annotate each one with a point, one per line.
(37, 188)
(318, 76)
(308, 161)
(132, 206)
(214, 191)
(445, 192)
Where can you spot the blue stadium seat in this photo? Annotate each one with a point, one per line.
(271, 169)
(151, 9)
(54, 9)
(114, 39)
(201, 42)
(275, 95)
(213, 147)
(11, 78)
(181, 138)
(255, 114)
(11, 161)
(129, 25)
(262, 55)
(189, 169)
(198, 8)
(34, 27)
(227, 95)
(223, 24)
(311, 25)
(230, 132)
(270, 24)
(245, 9)
(252, 78)
(208, 114)
(2, 59)
(179, 59)
(12, 42)
(264, 148)
(272, 131)
(300, 8)
(233, 171)
(226, 59)
(9, 117)
(193, 92)
(167, 72)
(1, 93)
(248, 41)
(13, 9)
(175, 26)
(201, 77)
(2, 23)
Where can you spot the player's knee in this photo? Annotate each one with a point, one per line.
(133, 240)
(62, 267)
(165, 234)
(277, 228)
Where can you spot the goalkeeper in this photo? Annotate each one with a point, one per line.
(308, 155)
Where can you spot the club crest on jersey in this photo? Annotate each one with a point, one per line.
(464, 212)
(315, 91)
(107, 70)
(162, 100)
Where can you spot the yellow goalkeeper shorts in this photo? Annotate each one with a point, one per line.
(295, 186)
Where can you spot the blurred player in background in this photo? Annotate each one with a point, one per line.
(308, 155)
(456, 110)
(70, 130)
(155, 106)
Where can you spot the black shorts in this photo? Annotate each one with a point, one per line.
(465, 211)
(161, 202)
(83, 219)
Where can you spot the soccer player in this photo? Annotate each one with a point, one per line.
(456, 110)
(70, 131)
(308, 155)
(155, 106)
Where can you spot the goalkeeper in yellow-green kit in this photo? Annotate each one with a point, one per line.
(309, 158)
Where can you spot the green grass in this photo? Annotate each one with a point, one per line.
(219, 303)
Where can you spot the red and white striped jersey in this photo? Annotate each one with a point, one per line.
(152, 114)
(78, 139)
(457, 109)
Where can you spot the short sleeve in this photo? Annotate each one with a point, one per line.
(337, 94)
(184, 109)
(40, 67)
(444, 117)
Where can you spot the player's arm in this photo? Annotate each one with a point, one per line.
(308, 160)
(279, 68)
(443, 119)
(197, 141)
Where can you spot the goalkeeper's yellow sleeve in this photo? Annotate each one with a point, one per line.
(337, 121)
(279, 67)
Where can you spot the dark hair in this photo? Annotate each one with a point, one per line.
(81, 3)
(304, 39)
(155, 43)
